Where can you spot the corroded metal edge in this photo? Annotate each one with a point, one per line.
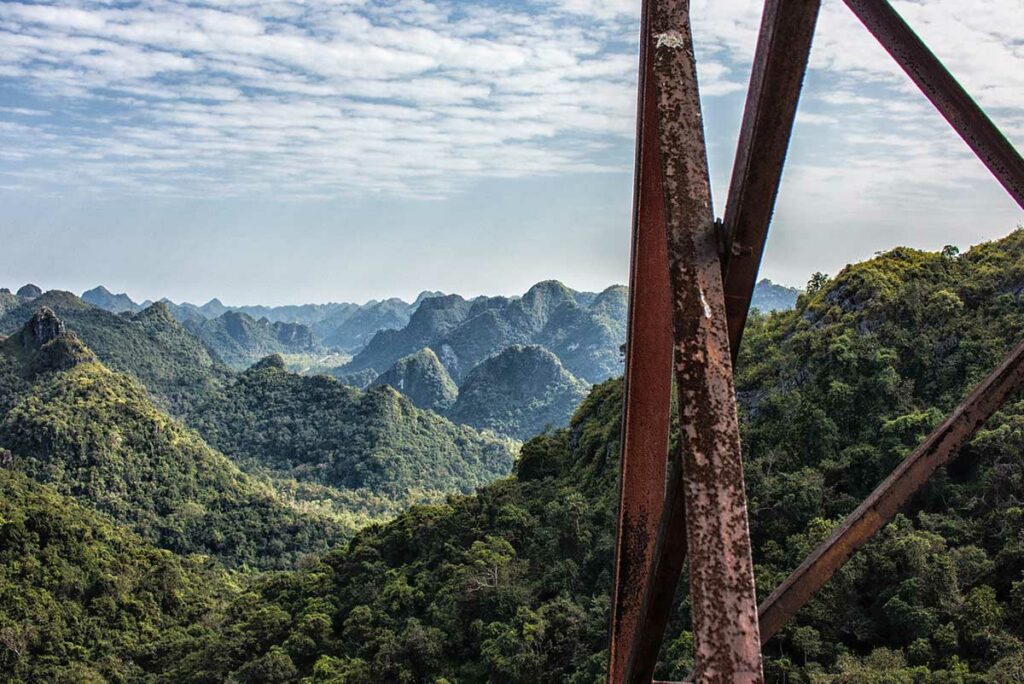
(647, 391)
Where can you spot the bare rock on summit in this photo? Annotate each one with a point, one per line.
(49, 346)
(45, 326)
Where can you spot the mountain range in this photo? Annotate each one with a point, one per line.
(93, 434)
(584, 330)
(317, 443)
(173, 365)
(117, 562)
(427, 350)
(394, 342)
(237, 338)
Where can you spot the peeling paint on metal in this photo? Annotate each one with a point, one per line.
(704, 303)
(669, 39)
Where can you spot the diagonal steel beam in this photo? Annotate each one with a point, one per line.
(725, 629)
(648, 378)
(894, 492)
(780, 62)
(948, 96)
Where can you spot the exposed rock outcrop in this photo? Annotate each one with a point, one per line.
(44, 326)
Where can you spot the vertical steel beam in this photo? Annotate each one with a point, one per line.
(948, 96)
(780, 61)
(776, 79)
(726, 641)
(648, 379)
(887, 499)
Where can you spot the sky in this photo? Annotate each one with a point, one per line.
(288, 151)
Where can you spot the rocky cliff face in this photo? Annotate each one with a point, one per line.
(47, 345)
(44, 326)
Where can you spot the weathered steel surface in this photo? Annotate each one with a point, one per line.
(948, 96)
(663, 580)
(780, 62)
(883, 504)
(710, 296)
(726, 642)
(648, 378)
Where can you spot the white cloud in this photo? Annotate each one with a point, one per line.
(418, 98)
(400, 96)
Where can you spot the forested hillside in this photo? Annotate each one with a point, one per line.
(315, 429)
(423, 378)
(239, 340)
(82, 600)
(520, 391)
(8, 300)
(512, 584)
(171, 363)
(91, 433)
(357, 457)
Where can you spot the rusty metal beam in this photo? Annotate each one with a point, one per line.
(948, 96)
(648, 379)
(662, 581)
(776, 79)
(883, 504)
(780, 61)
(705, 506)
(726, 642)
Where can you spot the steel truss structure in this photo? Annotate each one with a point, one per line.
(691, 282)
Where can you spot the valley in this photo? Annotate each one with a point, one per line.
(486, 342)
(427, 349)
(286, 527)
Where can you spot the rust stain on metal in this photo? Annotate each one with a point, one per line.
(943, 90)
(663, 580)
(726, 641)
(780, 62)
(648, 378)
(787, 27)
(894, 492)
